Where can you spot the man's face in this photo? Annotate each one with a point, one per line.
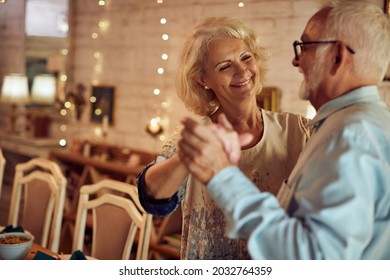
(311, 61)
(312, 77)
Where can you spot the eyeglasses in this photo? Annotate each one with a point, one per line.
(299, 46)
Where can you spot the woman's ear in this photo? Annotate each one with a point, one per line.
(200, 80)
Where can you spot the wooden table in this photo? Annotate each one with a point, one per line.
(107, 167)
(36, 247)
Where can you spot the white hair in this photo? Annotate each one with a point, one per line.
(365, 28)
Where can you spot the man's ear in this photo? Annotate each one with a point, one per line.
(341, 58)
(338, 59)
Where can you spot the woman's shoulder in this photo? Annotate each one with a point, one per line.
(286, 120)
(284, 117)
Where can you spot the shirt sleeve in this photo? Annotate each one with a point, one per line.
(157, 207)
(324, 220)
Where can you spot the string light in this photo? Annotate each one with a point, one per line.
(62, 142)
(63, 78)
(103, 25)
(164, 105)
(64, 51)
(156, 126)
(97, 68)
(102, 2)
(98, 111)
(241, 4)
(160, 70)
(67, 105)
(94, 35)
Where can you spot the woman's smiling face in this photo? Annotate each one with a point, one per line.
(231, 70)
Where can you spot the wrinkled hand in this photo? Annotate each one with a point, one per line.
(207, 149)
(230, 139)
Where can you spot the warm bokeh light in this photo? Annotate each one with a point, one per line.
(62, 142)
(63, 78)
(98, 112)
(67, 104)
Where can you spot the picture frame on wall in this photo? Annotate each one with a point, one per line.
(102, 102)
(269, 98)
(387, 11)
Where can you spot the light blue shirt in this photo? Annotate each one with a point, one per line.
(336, 202)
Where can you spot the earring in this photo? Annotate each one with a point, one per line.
(206, 87)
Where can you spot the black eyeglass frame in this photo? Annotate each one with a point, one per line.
(300, 44)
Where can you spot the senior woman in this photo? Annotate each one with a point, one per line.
(222, 69)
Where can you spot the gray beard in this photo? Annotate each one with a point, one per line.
(304, 91)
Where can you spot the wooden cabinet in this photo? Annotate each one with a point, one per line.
(18, 149)
(31, 147)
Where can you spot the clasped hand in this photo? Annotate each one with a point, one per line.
(207, 149)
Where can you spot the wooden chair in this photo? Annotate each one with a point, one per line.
(2, 165)
(44, 186)
(166, 239)
(119, 221)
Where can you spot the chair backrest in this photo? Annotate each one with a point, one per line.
(2, 165)
(44, 186)
(119, 221)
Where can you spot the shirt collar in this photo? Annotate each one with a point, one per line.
(359, 95)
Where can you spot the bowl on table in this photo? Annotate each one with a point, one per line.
(15, 245)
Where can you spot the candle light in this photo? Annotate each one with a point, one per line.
(153, 127)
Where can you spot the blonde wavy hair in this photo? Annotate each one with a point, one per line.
(194, 56)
